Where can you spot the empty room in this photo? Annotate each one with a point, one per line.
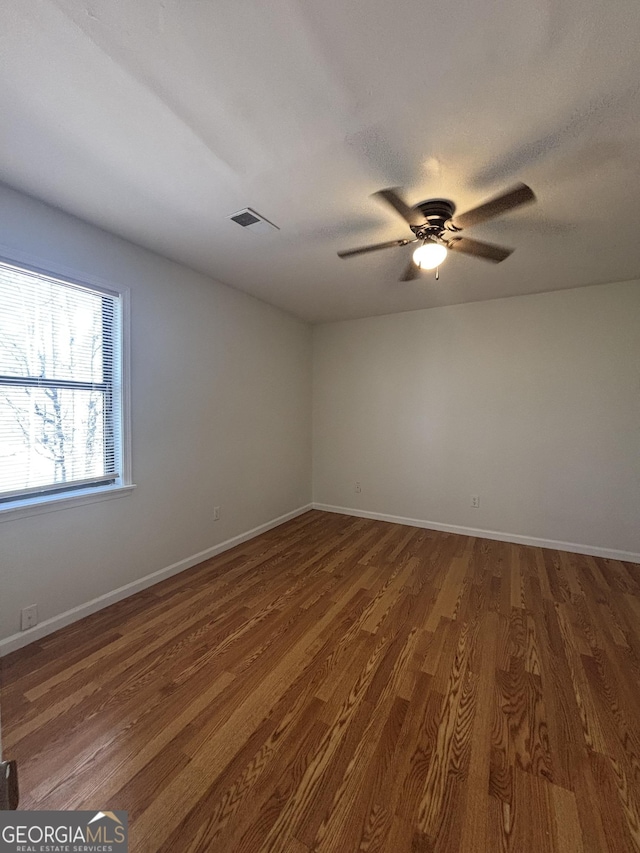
(319, 426)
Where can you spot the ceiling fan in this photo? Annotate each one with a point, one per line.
(435, 227)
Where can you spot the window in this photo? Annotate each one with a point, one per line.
(61, 400)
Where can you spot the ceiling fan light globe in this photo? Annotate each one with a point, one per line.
(429, 256)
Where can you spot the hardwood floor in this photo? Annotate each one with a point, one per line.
(340, 684)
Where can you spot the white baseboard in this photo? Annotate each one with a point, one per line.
(18, 641)
(516, 538)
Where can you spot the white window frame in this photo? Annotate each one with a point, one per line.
(24, 506)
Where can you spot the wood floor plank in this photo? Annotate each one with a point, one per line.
(340, 684)
(568, 832)
(475, 832)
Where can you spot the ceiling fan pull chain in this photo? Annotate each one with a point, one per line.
(437, 273)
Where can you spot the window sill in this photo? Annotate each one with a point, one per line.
(50, 503)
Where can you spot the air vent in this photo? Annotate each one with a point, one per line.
(252, 221)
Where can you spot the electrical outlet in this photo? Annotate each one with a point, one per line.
(216, 513)
(358, 488)
(475, 501)
(28, 617)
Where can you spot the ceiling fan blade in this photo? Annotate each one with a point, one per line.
(486, 251)
(520, 194)
(413, 217)
(411, 272)
(349, 253)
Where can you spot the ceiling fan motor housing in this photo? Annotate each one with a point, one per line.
(437, 212)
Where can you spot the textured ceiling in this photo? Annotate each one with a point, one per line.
(157, 119)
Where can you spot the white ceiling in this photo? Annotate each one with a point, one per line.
(156, 119)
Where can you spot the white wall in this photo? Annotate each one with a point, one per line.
(221, 389)
(532, 403)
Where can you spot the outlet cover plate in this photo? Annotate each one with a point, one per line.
(28, 617)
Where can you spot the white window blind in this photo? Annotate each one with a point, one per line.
(60, 385)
